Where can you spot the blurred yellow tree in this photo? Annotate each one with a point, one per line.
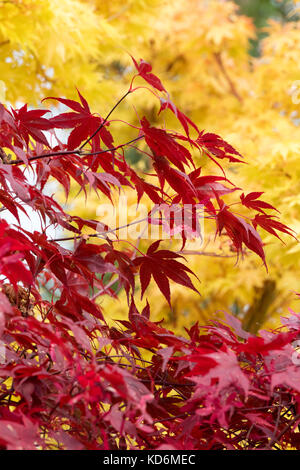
(200, 49)
(51, 46)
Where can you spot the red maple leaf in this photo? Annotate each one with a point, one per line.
(270, 225)
(162, 266)
(239, 231)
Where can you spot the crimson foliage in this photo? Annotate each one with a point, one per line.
(70, 381)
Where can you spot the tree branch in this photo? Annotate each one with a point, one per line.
(72, 152)
(104, 120)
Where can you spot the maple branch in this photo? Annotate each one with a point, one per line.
(40, 70)
(233, 89)
(75, 237)
(164, 383)
(72, 152)
(277, 421)
(287, 427)
(157, 381)
(104, 120)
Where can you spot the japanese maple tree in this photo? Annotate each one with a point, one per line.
(69, 380)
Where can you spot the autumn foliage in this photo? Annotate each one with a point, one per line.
(70, 380)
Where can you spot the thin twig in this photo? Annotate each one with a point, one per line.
(104, 289)
(3, 43)
(170, 418)
(203, 253)
(73, 152)
(99, 234)
(88, 154)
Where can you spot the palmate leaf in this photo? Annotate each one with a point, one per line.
(162, 265)
(164, 144)
(215, 145)
(268, 223)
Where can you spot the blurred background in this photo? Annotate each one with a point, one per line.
(233, 67)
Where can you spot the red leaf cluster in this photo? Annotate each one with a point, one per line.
(68, 380)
